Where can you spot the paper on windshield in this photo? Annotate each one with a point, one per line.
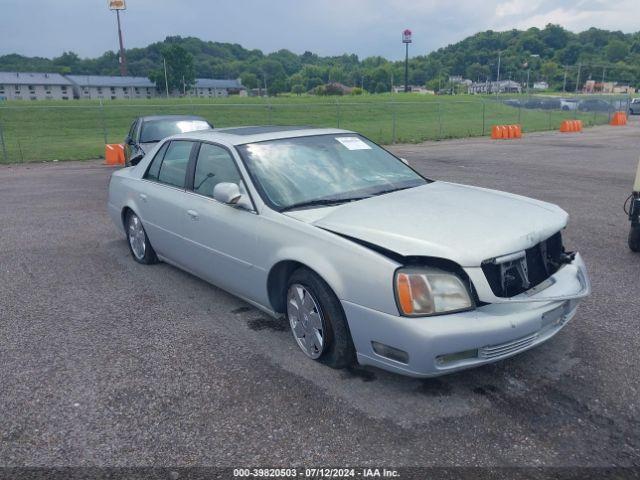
(353, 143)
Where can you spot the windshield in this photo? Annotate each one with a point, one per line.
(156, 130)
(324, 169)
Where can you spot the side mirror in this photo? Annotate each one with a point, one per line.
(227, 193)
(136, 159)
(405, 161)
(129, 141)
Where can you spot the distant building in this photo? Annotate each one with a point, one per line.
(209, 87)
(54, 86)
(413, 89)
(540, 86)
(503, 86)
(34, 86)
(458, 79)
(111, 87)
(591, 86)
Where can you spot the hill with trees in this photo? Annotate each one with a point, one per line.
(552, 54)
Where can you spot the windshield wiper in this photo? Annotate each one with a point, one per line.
(321, 202)
(382, 192)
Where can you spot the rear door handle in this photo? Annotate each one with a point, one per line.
(193, 214)
(143, 197)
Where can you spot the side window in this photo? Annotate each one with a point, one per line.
(215, 165)
(154, 169)
(174, 165)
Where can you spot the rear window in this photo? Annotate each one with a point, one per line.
(156, 130)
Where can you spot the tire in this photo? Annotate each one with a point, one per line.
(337, 349)
(139, 245)
(634, 238)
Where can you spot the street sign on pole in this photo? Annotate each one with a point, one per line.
(406, 39)
(117, 4)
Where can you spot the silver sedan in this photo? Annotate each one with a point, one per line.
(367, 259)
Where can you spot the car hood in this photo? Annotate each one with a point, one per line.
(461, 223)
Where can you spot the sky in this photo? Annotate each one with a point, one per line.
(328, 27)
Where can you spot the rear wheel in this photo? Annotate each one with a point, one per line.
(634, 238)
(317, 321)
(139, 245)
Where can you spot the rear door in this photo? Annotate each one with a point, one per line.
(163, 200)
(222, 238)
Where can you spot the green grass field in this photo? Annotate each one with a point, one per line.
(76, 130)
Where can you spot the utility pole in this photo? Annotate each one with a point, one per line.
(578, 77)
(166, 80)
(118, 5)
(406, 39)
(498, 76)
(564, 82)
(123, 58)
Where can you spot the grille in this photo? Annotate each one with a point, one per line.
(495, 351)
(542, 261)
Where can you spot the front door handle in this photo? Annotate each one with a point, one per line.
(193, 214)
(143, 197)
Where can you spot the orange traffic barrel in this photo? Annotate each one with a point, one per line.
(114, 154)
(506, 131)
(619, 119)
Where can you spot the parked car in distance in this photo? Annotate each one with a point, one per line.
(368, 260)
(567, 104)
(596, 105)
(634, 106)
(145, 132)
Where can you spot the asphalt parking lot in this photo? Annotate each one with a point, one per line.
(108, 362)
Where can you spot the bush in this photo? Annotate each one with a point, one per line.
(357, 91)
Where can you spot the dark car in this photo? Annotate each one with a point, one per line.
(145, 132)
(595, 105)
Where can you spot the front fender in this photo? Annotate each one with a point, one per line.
(355, 273)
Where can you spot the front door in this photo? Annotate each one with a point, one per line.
(221, 238)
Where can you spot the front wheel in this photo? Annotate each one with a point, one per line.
(634, 238)
(317, 321)
(139, 245)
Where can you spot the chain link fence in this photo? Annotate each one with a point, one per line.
(79, 130)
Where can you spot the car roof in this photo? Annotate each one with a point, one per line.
(252, 134)
(149, 118)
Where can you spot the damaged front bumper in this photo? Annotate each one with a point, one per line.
(443, 344)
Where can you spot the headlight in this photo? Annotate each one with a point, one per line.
(429, 291)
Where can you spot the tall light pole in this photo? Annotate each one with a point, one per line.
(166, 80)
(406, 39)
(578, 77)
(118, 5)
(498, 75)
(534, 55)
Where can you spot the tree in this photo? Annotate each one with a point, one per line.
(298, 89)
(381, 87)
(616, 50)
(180, 70)
(249, 80)
(477, 72)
